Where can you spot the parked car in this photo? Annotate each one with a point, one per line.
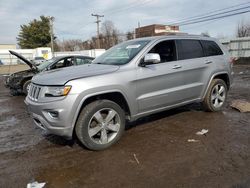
(19, 82)
(131, 80)
(38, 60)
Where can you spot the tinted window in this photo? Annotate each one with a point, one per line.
(188, 49)
(211, 48)
(166, 50)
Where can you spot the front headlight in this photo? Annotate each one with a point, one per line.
(57, 91)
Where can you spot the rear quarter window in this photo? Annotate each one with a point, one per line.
(211, 48)
(189, 49)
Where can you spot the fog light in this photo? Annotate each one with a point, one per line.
(53, 114)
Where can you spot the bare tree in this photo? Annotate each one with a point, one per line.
(243, 29)
(71, 45)
(109, 35)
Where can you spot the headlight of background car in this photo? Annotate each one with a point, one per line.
(57, 91)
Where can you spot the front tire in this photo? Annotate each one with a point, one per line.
(100, 124)
(216, 96)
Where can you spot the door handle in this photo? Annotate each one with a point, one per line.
(208, 62)
(176, 67)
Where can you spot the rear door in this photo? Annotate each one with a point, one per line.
(215, 58)
(194, 68)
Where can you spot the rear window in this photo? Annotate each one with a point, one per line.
(189, 49)
(211, 48)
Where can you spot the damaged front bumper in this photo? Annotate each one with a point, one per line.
(13, 83)
(6, 80)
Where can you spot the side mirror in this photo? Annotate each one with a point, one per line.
(151, 58)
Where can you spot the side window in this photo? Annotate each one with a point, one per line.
(211, 48)
(59, 64)
(81, 61)
(66, 62)
(188, 49)
(166, 50)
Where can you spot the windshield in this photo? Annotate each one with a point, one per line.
(122, 53)
(46, 63)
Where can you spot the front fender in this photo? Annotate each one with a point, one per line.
(92, 93)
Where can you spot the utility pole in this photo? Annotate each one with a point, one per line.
(97, 24)
(138, 34)
(51, 20)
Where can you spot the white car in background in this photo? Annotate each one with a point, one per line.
(38, 60)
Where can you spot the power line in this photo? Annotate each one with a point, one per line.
(208, 19)
(208, 16)
(122, 9)
(192, 20)
(216, 18)
(208, 13)
(197, 26)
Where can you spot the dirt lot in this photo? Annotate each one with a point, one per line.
(159, 142)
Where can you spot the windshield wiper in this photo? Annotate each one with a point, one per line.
(101, 63)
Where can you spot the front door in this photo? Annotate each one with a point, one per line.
(159, 85)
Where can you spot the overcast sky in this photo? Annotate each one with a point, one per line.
(73, 18)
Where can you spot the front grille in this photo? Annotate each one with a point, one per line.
(34, 92)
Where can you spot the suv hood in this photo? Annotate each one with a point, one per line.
(63, 75)
(31, 65)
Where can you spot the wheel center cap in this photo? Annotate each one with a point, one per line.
(103, 125)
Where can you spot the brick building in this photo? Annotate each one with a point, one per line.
(155, 30)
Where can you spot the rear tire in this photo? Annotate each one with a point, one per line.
(26, 87)
(100, 124)
(216, 96)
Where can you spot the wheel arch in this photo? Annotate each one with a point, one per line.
(221, 75)
(115, 96)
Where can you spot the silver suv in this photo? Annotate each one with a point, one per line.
(131, 80)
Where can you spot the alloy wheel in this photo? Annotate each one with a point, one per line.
(104, 126)
(218, 95)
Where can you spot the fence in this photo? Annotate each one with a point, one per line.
(8, 59)
(238, 47)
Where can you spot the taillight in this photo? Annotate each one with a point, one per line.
(232, 60)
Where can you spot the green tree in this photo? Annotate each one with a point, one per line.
(35, 34)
